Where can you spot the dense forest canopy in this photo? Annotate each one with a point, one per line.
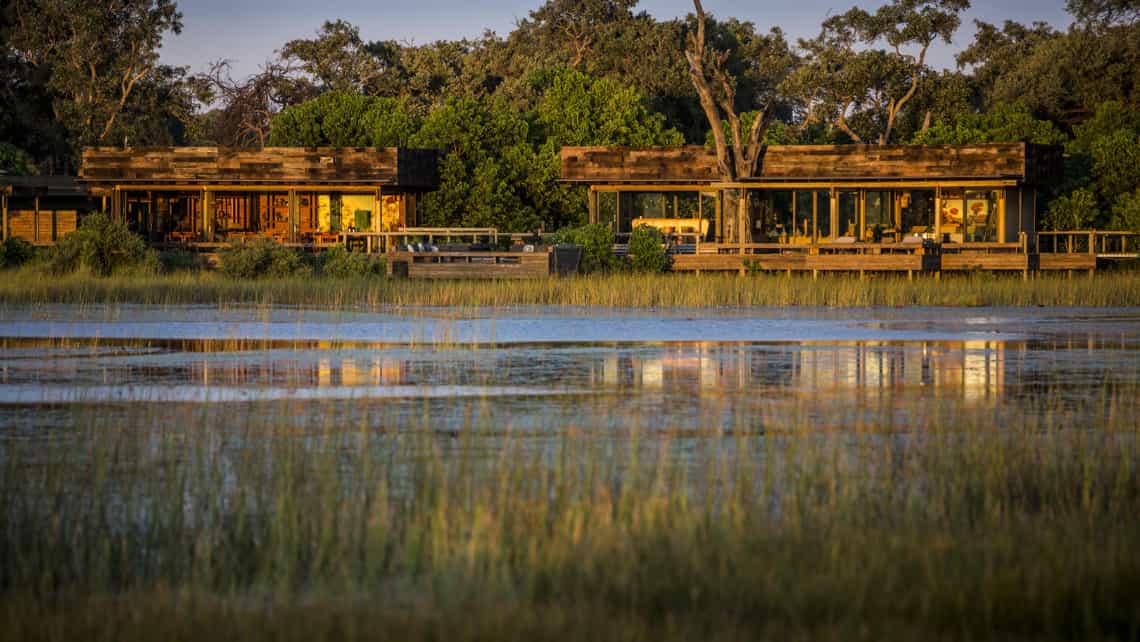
(590, 72)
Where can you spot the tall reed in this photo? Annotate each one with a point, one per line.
(1104, 290)
(241, 521)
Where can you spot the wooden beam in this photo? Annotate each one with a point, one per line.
(4, 215)
(294, 216)
(36, 219)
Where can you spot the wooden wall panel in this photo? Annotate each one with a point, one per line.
(1031, 163)
(380, 166)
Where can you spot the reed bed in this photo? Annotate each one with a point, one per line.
(974, 521)
(1109, 289)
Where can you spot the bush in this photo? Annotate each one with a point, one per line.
(100, 246)
(15, 252)
(181, 261)
(646, 250)
(338, 263)
(262, 258)
(597, 246)
(1075, 211)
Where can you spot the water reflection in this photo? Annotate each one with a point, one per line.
(867, 370)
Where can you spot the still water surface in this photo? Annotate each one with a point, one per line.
(549, 367)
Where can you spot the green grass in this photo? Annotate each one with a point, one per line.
(623, 290)
(975, 521)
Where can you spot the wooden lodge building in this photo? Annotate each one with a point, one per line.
(209, 196)
(810, 208)
(901, 208)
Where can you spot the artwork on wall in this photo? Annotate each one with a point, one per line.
(953, 207)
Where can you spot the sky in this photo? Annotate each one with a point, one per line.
(249, 32)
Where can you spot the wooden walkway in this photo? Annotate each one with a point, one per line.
(470, 265)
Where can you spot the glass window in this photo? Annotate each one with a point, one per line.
(823, 214)
(357, 212)
(980, 216)
(607, 209)
(848, 213)
(917, 212)
(951, 215)
(708, 212)
(804, 214)
(880, 218)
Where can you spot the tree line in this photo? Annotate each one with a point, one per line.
(590, 72)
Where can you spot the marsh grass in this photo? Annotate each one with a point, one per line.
(975, 521)
(1120, 288)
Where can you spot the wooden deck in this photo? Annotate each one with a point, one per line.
(470, 265)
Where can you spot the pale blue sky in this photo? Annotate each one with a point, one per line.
(249, 31)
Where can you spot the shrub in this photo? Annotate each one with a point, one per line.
(262, 258)
(1075, 211)
(646, 250)
(338, 263)
(100, 246)
(15, 252)
(180, 261)
(596, 240)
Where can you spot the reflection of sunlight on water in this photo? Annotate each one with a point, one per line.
(55, 394)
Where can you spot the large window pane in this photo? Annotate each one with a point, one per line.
(880, 218)
(607, 209)
(917, 212)
(981, 216)
(823, 214)
(849, 213)
(804, 214)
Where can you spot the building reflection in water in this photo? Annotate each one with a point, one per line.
(971, 369)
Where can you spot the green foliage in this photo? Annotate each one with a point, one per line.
(338, 263)
(15, 161)
(100, 246)
(1116, 163)
(778, 133)
(98, 57)
(596, 241)
(15, 251)
(262, 258)
(1111, 116)
(647, 250)
(485, 169)
(580, 110)
(344, 120)
(1003, 123)
(1126, 213)
(180, 261)
(1074, 211)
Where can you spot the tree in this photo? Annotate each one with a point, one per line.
(881, 82)
(344, 120)
(996, 52)
(577, 109)
(248, 105)
(337, 59)
(97, 54)
(484, 172)
(1104, 12)
(576, 26)
(1001, 124)
(717, 93)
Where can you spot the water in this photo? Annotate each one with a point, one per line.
(545, 369)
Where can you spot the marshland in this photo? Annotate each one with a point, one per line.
(568, 472)
(812, 333)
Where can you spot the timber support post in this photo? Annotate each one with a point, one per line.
(294, 216)
(3, 217)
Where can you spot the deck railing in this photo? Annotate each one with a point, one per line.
(1102, 243)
